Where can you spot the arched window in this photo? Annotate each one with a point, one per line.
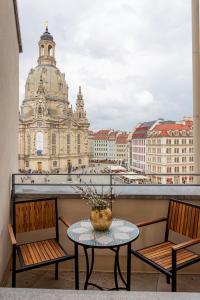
(42, 50)
(39, 143)
(50, 50)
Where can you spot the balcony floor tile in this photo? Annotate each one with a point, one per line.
(140, 282)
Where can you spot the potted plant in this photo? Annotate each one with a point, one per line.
(100, 204)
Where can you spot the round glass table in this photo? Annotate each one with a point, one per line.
(121, 233)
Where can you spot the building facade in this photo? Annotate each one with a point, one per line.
(110, 145)
(52, 136)
(170, 152)
(137, 147)
(121, 148)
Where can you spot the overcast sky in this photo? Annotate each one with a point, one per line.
(131, 57)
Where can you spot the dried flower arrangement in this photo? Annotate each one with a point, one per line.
(95, 200)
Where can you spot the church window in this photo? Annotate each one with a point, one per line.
(29, 144)
(78, 138)
(39, 143)
(79, 115)
(53, 148)
(50, 50)
(78, 149)
(68, 138)
(53, 138)
(54, 163)
(42, 50)
(27, 163)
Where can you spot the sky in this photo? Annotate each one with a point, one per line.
(133, 58)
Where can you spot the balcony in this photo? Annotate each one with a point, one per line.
(139, 203)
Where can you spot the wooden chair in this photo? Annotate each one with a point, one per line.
(30, 216)
(169, 257)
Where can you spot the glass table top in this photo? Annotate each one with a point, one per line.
(121, 232)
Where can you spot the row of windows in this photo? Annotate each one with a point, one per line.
(171, 170)
(170, 141)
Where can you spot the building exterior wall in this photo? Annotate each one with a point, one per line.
(9, 86)
(173, 155)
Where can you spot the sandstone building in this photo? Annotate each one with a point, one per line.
(51, 135)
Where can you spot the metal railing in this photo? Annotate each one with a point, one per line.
(119, 183)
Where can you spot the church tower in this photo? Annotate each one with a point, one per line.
(80, 112)
(51, 133)
(46, 49)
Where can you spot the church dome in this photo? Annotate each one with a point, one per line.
(54, 82)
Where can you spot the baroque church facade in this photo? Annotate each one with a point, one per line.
(52, 136)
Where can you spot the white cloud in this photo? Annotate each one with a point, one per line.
(133, 58)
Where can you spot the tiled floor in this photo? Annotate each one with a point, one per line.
(140, 282)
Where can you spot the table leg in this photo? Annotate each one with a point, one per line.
(116, 268)
(128, 285)
(76, 267)
(89, 268)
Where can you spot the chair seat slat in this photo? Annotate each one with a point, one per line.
(162, 254)
(39, 252)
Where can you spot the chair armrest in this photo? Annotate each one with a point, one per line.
(64, 221)
(141, 224)
(11, 233)
(186, 244)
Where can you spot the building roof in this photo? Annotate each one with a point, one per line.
(122, 138)
(171, 129)
(142, 130)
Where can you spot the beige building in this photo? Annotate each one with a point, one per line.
(170, 153)
(121, 148)
(51, 134)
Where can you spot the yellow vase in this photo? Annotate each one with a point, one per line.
(101, 219)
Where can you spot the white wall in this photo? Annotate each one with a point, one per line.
(9, 84)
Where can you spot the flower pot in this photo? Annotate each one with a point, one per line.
(101, 219)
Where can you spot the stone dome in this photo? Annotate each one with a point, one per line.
(54, 82)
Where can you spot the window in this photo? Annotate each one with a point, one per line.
(27, 164)
(184, 169)
(39, 143)
(78, 149)
(50, 50)
(169, 159)
(184, 159)
(29, 144)
(169, 169)
(176, 169)
(54, 163)
(176, 150)
(183, 141)
(176, 159)
(42, 50)
(53, 150)
(53, 142)
(168, 150)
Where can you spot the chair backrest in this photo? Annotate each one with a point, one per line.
(184, 218)
(34, 215)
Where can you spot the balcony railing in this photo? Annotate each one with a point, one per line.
(123, 184)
